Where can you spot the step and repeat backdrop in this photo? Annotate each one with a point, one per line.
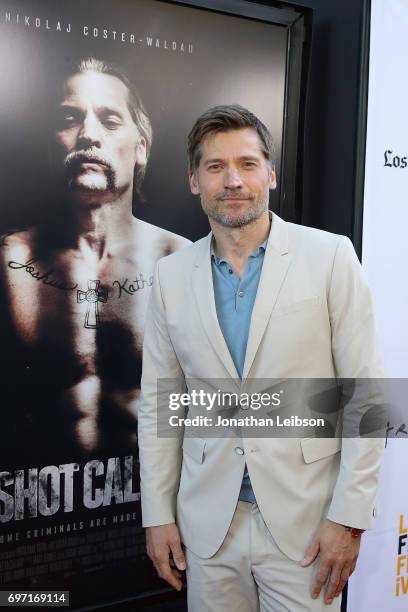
(381, 579)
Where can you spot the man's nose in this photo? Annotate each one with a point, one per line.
(90, 132)
(232, 179)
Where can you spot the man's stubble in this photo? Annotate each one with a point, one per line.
(214, 209)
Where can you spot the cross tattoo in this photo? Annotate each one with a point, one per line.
(93, 296)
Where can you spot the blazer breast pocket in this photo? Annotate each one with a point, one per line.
(314, 449)
(297, 306)
(194, 447)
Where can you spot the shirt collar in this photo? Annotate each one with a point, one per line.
(219, 260)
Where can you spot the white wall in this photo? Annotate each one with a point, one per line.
(385, 261)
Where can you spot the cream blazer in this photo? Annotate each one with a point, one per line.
(312, 318)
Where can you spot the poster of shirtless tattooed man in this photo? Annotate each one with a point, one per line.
(98, 99)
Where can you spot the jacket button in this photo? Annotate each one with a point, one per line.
(239, 450)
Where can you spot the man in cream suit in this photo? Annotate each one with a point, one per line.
(267, 523)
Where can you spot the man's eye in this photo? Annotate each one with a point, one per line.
(111, 124)
(64, 121)
(214, 167)
(68, 119)
(249, 164)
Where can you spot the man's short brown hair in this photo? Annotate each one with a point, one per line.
(223, 119)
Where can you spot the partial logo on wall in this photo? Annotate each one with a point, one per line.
(393, 160)
(401, 585)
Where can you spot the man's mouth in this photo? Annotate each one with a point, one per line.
(235, 199)
(90, 164)
(91, 161)
(81, 161)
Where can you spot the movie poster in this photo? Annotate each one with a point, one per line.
(97, 99)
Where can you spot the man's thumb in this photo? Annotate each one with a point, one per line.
(311, 553)
(178, 556)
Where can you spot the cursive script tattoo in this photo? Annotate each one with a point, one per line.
(132, 287)
(43, 277)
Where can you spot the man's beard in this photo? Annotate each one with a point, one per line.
(258, 205)
(72, 164)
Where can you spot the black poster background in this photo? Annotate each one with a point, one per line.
(196, 59)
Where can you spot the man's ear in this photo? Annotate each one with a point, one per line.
(194, 184)
(272, 179)
(141, 152)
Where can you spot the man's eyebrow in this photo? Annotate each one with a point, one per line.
(103, 110)
(109, 110)
(213, 160)
(218, 160)
(249, 157)
(67, 106)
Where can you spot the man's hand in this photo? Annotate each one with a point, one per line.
(160, 542)
(338, 558)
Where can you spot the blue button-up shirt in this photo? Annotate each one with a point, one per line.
(234, 301)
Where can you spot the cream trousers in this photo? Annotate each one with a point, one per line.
(250, 574)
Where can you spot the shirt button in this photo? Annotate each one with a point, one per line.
(239, 450)
(241, 293)
(229, 270)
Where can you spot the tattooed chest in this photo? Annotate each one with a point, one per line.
(69, 335)
(79, 300)
(63, 355)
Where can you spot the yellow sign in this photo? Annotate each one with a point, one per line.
(401, 586)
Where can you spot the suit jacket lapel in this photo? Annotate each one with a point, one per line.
(204, 294)
(274, 270)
